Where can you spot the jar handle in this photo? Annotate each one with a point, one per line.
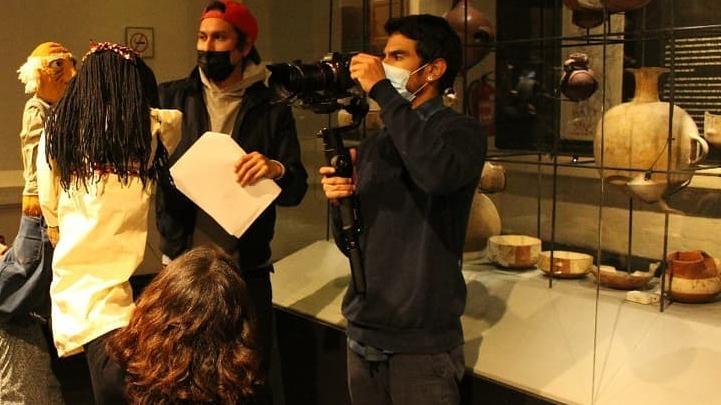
(701, 151)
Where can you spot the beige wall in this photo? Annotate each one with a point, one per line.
(288, 30)
(75, 23)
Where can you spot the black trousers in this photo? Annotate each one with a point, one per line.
(406, 379)
(106, 376)
(261, 295)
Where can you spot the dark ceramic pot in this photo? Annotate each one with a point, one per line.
(479, 35)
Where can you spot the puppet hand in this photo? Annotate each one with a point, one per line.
(53, 235)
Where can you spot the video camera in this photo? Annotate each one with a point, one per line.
(326, 87)
(316, 86)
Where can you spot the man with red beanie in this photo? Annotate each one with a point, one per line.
(225, 93)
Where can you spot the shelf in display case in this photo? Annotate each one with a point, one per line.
(540, 341)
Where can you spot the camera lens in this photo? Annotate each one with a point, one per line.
(327, 79)
(292, 79)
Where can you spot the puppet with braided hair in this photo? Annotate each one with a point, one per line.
(25, 269)
(105, 147)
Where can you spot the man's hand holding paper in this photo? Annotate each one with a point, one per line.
(210, 172)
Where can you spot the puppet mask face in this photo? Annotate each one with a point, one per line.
(54, 77)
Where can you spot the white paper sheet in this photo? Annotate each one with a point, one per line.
(206, 175)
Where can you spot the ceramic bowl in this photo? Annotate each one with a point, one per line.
(514, 251)
(565, 264)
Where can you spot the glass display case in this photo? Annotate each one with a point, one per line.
(604, 115)
(603, 122)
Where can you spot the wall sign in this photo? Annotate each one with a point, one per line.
(140, 39)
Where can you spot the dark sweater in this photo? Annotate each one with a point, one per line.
(416, 181)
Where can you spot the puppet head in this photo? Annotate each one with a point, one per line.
(47, 71)
(102, 124)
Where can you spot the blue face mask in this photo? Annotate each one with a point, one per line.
(399, 79)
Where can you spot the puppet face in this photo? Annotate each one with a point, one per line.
(54, 77)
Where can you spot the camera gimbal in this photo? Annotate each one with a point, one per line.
(339, 158)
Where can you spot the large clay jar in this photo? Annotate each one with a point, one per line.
(634, 135)
(480, 31)
(483, 223)
(693, 276)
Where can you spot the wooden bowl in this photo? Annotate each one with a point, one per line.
(566, 264)
(514, 251)
(621, 280)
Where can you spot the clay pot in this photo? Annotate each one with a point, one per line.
(614, 6)
(578, 82)
(480, 31)
(636, 133)
(712, 128)
(514, 251)
(565, 264)
(483, 223)
(493, 178)
(621, 280)
(693, 276)
(589, 13)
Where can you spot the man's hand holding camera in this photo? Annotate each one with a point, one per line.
(254, 166)
(367, 70)
(337, 187)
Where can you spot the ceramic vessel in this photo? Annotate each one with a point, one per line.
(693, 276)
(493, 178)
(621, 280)
(712, 128)
(647, 190)
(578, 82)
(635, 135)
(565, 264)
(514, 251)
(483, 223)
(589, 13)
(475, 30)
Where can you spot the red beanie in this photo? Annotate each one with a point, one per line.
(238, 15)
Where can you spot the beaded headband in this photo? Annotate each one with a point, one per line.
(124, 51)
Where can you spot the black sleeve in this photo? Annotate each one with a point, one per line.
(174, 212)
(440, 157)
(286, 150)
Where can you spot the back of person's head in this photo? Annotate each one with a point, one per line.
(191, 337)
(103, 119)
(435, 38)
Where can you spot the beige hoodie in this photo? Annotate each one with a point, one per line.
(224, 104)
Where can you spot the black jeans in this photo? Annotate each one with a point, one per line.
(106, 376)
(406, 379)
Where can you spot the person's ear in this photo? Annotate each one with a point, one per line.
(247, 47)
(436, 70)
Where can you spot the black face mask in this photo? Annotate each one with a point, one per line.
(215, 65)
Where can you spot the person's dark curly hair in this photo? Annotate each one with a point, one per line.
(191, 337)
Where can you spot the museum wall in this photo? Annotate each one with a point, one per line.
(74, 23)
(288, 30)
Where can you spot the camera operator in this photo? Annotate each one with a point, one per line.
(226, 94)
(415, 183)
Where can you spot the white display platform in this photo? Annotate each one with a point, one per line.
(540, 340)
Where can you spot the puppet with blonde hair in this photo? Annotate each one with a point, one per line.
(25, 271)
